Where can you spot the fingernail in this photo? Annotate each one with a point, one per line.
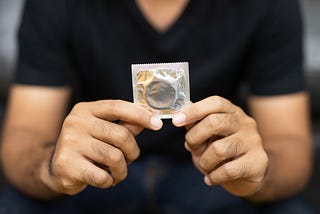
(207, 181)
(179, 118)
(156, 123)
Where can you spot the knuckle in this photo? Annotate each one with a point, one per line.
(251, 122)
(123, 175)
(67, 184)
(212, 122)
(114, 107)
(60, 161)
(79, 106)
(104, 153)
(96, 179)
(219, 149)
(67, 137)
(218, 101)
(204, 160)
(102, 103)
(71, 125)
(215, 100)
(190, 139)
(237, 115)
(127, 144)
(102, 180)
(116, 158)
(124, 135)
(69, 187)
(232, 173)
(238, 110)
(101, 128)
(135, 154)
(71, 121)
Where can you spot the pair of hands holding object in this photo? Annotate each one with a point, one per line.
(93, 150)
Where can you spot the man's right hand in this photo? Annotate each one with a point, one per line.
(94, 150)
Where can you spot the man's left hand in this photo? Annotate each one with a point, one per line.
(225, 145)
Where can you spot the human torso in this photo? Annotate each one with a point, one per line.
(213, 36)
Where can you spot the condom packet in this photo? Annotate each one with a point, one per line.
(162, 88)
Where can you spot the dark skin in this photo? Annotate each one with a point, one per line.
(263, 157)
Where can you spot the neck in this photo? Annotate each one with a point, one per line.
(161, 14)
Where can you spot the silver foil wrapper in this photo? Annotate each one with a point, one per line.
(162, 88)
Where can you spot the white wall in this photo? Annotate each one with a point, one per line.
(311, 12)
(10, 11)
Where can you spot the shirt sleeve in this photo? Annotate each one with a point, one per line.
(43, 44)
(276, 62)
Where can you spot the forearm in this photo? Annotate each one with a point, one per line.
(24, 154)
(288, 172)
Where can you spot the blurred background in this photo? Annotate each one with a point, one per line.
(10, 11)
(311, 14)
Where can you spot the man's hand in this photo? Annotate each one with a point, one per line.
(225, 145)
(94, 150)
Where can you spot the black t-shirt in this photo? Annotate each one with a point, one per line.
(225, 41)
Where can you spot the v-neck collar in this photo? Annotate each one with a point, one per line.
(183, 23)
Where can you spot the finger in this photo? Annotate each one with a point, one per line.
(201, 109)
(116, 135)
(112, 110)
(250, 168)
(222, 150)
(135, 129)
(196, 151)
(95, 176)
(77, 172)
(181, 117)
(109, 156)
(212, 125)
(227, 172)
